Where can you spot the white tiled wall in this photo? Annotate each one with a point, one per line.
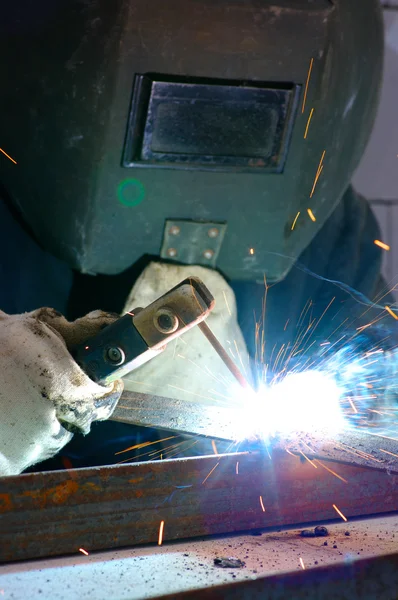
(377, 175)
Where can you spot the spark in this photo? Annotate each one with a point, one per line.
(226, 302)
(8, 156)
(237, 468)
(302, 564)
(144, 445)
(213, 445)
(352, 405)
(160, 537)
(83, 551)
(262, 504)
(311, 215)
(340, 513)
(309, 460)
(86, 347)
(295, 220)
(392, 313)
(189, 392)
(308, 123)
(251, 251)
(240, 357)
(387, 452)
(382, 245)
(208, 475)
(318, 173)
(332, 472)
(307, 83)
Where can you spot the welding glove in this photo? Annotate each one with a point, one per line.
(44, 395)
(189, 369)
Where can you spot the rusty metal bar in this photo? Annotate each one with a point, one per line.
(54, 513)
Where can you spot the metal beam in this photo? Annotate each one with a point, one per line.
(54, 513)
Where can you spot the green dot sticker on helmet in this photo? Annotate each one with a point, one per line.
(130, 192)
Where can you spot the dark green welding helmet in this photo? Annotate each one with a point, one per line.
(212, 132)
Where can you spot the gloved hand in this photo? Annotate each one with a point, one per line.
(44, 395)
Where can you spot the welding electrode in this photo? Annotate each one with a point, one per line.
(229, 363)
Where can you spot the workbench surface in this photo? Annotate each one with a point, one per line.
(153, 571)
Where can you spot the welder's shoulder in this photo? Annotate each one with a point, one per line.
(33, 277)
(360, 224)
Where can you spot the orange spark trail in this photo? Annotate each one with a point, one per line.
(262, 504)
(144, 445)
(310, 461)
(160, 538)
(318, 173)
(308, 123)
(392, 313)
(387, 452)
(340, 513)
(306, 85)
(213, 445)
(295, 220)
(332, 472)
(382, 245)
(237, 468)
(302, 563)
(5, 154)
(83, 551)
(311, 215)
(208, 475)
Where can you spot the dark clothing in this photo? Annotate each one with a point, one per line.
(30, 277)
(343, 251)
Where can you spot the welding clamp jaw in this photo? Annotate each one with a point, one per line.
(144, 333)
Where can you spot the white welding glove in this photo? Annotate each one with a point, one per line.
(189, 369)
(44, 395)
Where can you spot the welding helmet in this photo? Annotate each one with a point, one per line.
(220, 133)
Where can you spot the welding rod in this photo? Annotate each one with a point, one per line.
(229, 363)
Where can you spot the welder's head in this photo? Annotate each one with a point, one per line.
(220, 133)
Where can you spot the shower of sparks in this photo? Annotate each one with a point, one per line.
(340, 513)
(295, 220)
(311, 215)
(208, 475)
(392, 313)
(237, 468)
(251, 251)
(144, 445)
(308, 123)
(8, 156)
(318, 173)
(302, 564)
(213, 445)
(382, 245)
(160, 537)
(262, 504)
(332, 472)
(307, 83)
(83, 551)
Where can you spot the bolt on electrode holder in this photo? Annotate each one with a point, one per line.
(138, 336)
